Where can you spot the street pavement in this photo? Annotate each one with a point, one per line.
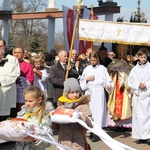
(122, 136)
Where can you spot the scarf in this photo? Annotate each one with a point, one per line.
(69, 103)
(29, 115)
(64, 99)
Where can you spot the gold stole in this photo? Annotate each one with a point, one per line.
(119, 104)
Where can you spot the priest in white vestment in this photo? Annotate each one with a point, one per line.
(93, 81)
(9, 72)
(139, 81)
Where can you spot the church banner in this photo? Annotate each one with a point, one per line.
(114, 32)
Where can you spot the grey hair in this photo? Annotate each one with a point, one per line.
(22, 49)
(60, 53)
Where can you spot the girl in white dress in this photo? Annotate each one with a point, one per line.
(40, 75)
(93, 81)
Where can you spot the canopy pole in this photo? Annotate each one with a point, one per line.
(72, 41)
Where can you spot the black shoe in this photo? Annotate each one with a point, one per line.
(140, 141)
(91, 136)
(148, 141)
(95, 138)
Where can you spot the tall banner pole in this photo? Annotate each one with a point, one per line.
(92, 13)
(72, 41)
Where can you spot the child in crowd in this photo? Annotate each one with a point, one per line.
(35, 110)
(40, 75)
(41, 55)
(93, 81)
(73, 135)
(139, 81)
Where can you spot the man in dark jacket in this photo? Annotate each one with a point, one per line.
(58, 73)
(103, 58)
(85, 62)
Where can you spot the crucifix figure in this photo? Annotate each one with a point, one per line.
(79, 2)
(119, 31)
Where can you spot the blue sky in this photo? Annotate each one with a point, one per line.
(127, 6)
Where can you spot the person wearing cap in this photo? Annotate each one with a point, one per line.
(73, 135)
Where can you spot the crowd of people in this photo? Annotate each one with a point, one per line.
(111, 91)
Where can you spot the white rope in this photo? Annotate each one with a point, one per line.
(51, 141)
(113, 144)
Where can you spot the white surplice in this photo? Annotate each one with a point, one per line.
(140, 101)
(8, 76)
(96, 90)
(41, 83)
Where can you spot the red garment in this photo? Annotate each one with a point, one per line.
(27, 71)
(119, 101)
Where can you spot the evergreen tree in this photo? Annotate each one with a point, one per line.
(35, 43)
(138, 16)
(11, 44)
(120, 19)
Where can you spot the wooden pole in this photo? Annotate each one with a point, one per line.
(72, 41)
(92, 13)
